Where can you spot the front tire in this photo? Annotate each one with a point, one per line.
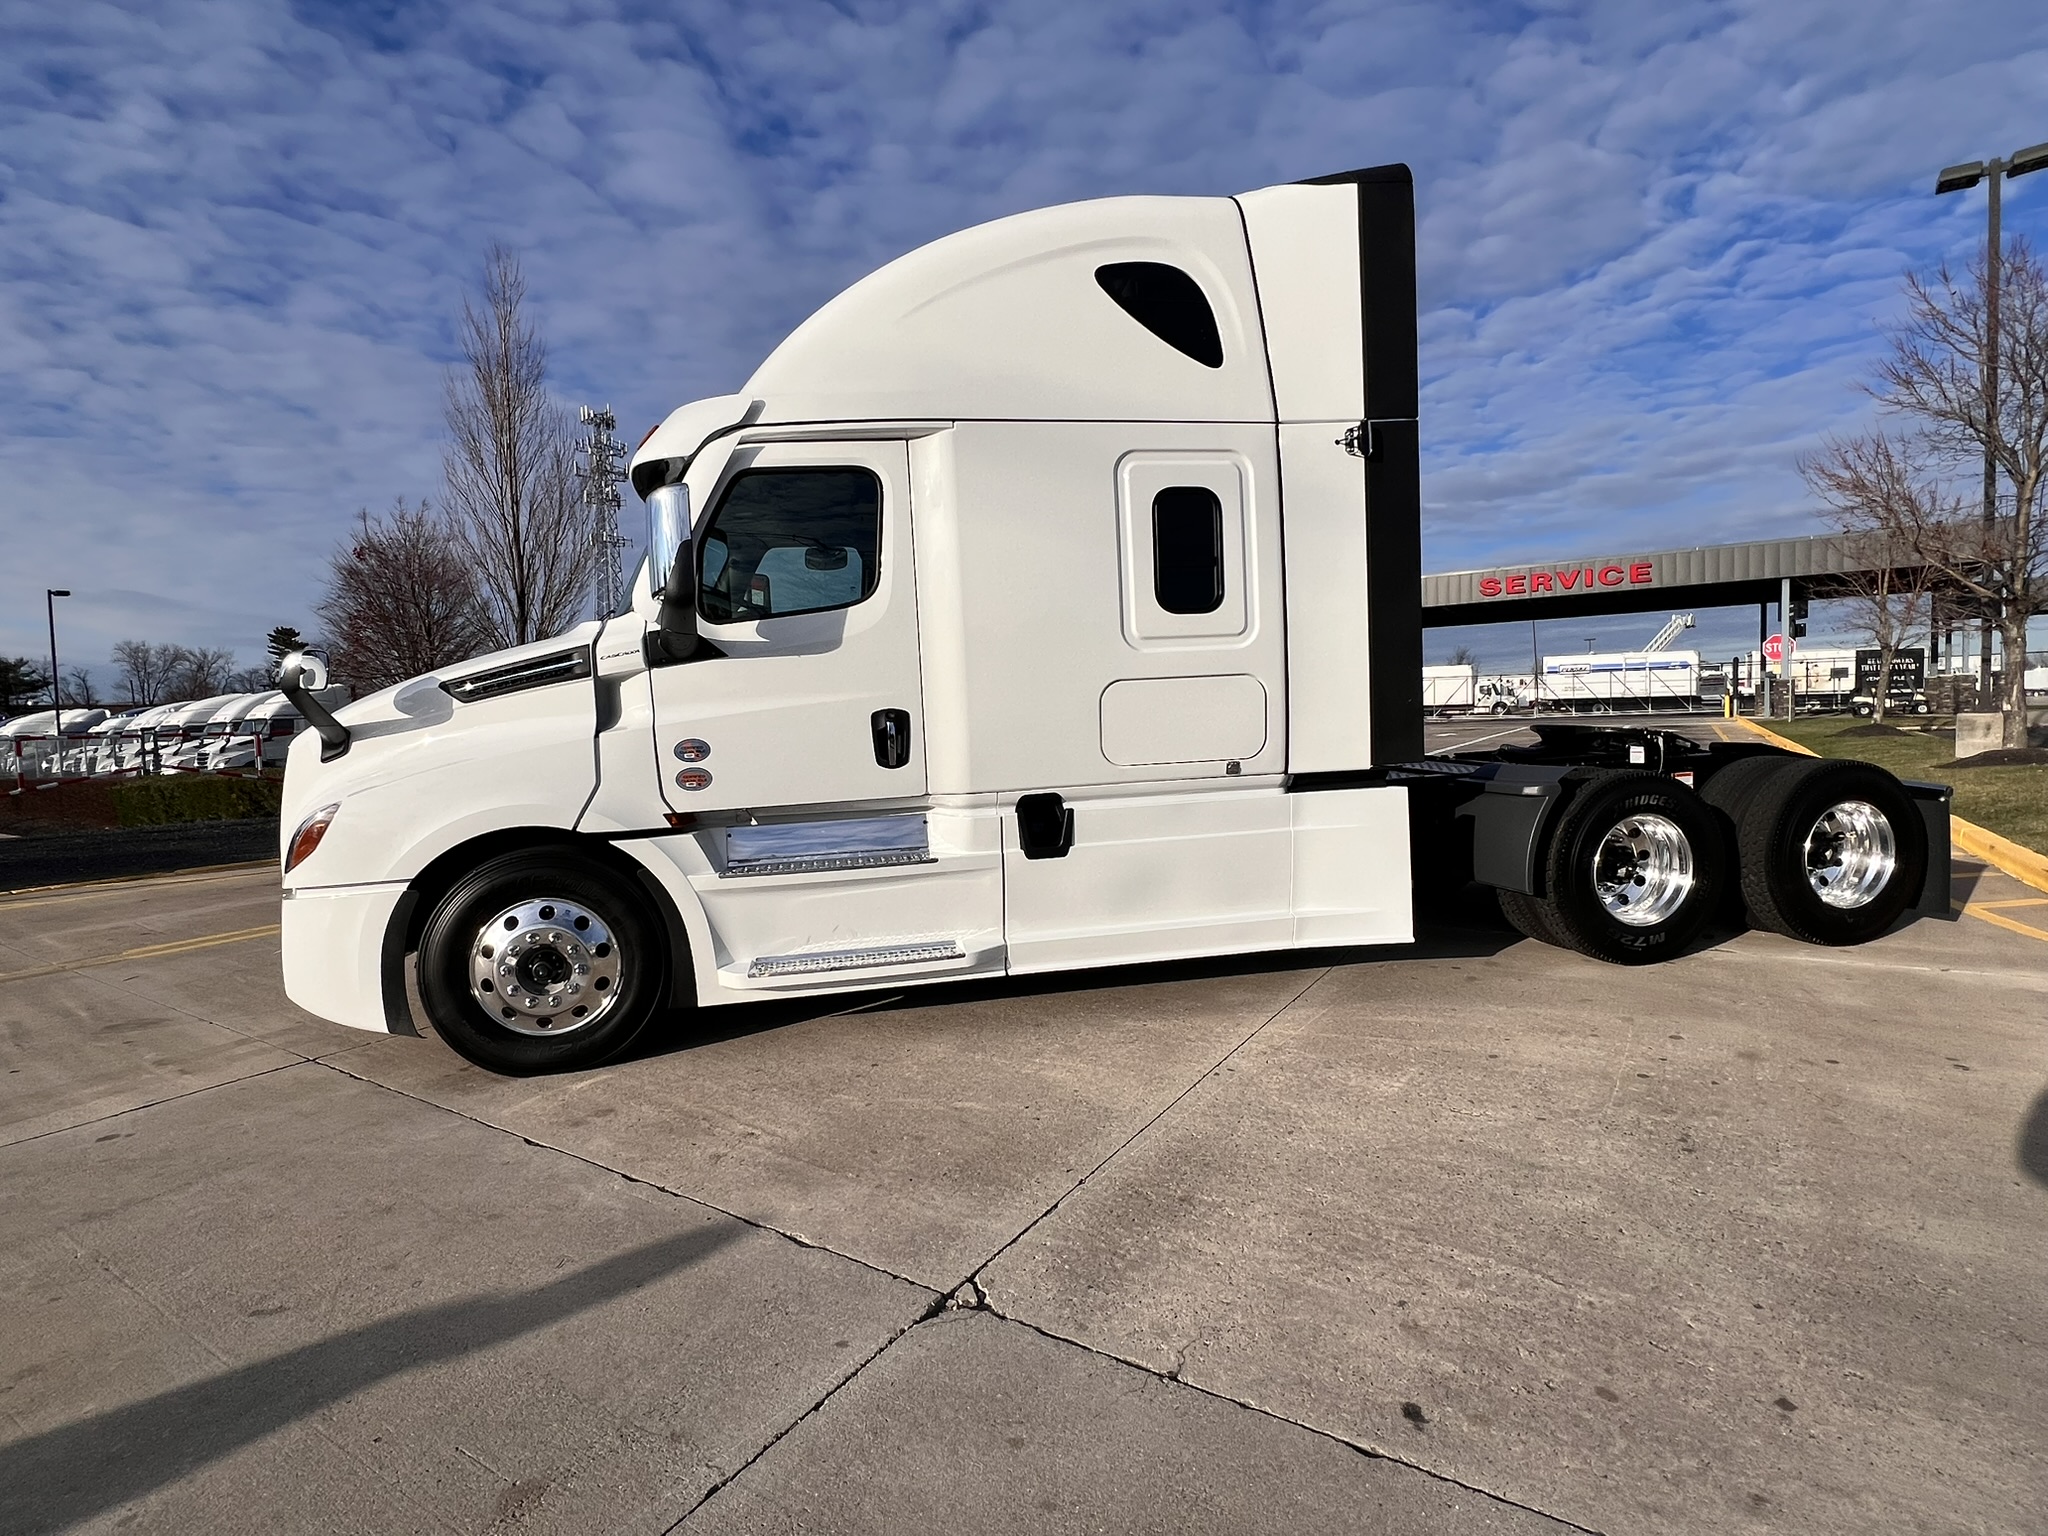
(541, 962)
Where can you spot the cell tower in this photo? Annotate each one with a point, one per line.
(601, 476)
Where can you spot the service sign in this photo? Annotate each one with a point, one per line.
(1554, 580)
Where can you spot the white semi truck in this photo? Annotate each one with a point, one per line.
(1049, 599)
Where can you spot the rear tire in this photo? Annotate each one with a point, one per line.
(1832, 851)
(1527, 915)
(1634, 872)
(541, 962)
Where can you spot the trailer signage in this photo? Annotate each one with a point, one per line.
(1567, 579)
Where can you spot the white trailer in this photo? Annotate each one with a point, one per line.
(1050, 598)
(1612, 681)
(1449, 689)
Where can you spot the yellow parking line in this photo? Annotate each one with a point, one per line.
(157, 951)
(34, 895)
(2000, 906)
(1999, 919)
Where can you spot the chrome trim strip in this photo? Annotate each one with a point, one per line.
(881, 858)
(824, 960)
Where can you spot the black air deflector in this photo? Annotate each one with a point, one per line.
(1168, 303)
(518, 676)
(1393, 463)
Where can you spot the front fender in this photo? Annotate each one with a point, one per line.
(425, 773)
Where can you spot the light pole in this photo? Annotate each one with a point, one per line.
(50, 596)
(1960, 178)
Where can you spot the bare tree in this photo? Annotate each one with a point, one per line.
(400, 599)
(144, 669)
(250, 680)
(511, 469)
(78, 691)
(1878, 492)
(197, 672)
(1935, 377)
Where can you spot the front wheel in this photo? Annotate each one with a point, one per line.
(1635, 872)
(540, 962)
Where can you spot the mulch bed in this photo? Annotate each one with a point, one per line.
(2000, 757)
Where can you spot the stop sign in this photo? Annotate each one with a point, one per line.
(1777, 648)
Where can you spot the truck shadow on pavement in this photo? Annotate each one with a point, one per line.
(62, 1477)
(2033, 1140)
(1435, 940)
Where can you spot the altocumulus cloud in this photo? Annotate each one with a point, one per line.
(1655, 239)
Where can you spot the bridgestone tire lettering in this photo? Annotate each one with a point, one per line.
(1571, 913)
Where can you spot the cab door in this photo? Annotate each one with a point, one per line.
(805, 585)
(792, 746)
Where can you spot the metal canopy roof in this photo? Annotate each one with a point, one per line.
(1705, 576)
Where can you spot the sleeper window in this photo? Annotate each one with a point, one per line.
(1187, 549)
(785, 541)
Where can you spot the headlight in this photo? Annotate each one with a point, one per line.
(307, 838)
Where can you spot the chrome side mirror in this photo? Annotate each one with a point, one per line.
(672, 565)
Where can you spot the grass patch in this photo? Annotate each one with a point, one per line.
(194, 797)
(2011, 800)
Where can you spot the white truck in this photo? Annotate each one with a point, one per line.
(1051, 598)
(1622, 680)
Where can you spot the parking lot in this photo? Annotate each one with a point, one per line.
(1476, 1236)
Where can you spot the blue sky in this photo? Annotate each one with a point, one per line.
(1657, 241)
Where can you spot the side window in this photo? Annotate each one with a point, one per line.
(1168, 303)
(1184, 559)
(1187, 549)
(784, 541)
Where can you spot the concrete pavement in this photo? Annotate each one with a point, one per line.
(1477, 1237)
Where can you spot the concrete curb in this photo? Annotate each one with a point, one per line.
(2023, 864)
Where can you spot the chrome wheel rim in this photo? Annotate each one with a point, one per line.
(1643, 870)
(545, 967)
(1851, 854)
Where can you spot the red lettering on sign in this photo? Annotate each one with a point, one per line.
(1639, 574)
(1611, 575)
(1568, 579)
(1489, 586)
(1517, 585)
(1540, 582)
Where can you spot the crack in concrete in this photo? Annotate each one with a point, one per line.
(1375, 1453)
(1171, 1104)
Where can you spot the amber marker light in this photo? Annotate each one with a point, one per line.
(307, 838)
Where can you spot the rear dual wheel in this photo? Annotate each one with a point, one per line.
(1634, 872)
(1830, 851)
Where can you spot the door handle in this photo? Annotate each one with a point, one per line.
(891, 729)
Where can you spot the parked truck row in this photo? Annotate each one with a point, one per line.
(229, 732)
(1049, 599)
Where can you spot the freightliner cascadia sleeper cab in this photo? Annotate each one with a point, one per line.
(1049, 599)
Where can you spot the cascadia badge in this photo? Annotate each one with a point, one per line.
(693, 778)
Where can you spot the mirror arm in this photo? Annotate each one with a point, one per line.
(291, 674)
(674, 637)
